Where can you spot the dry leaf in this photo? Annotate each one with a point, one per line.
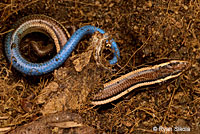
(44, 94)
(81, 60)
(67, 124)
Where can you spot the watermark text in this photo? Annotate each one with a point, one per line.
(170, 129)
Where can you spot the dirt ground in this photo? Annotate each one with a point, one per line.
(145, 31)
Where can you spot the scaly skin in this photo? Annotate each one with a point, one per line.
(41, 24)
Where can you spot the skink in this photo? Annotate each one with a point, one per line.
(121, 86)
(56, 31)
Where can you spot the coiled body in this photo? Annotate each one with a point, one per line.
(56, 31)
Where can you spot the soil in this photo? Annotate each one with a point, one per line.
(146, 32)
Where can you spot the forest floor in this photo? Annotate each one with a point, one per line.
(146, 32)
